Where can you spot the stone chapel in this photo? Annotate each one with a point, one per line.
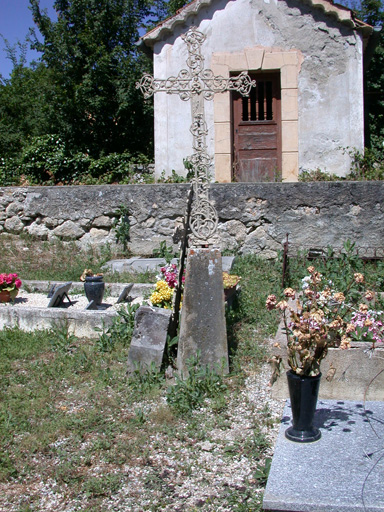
(307, 108)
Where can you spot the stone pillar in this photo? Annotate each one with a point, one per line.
(202, 326)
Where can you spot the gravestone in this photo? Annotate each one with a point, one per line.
(59, 293)
(342, 472)
(149, 338)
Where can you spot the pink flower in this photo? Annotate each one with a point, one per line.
(18, 283)
(9, 278)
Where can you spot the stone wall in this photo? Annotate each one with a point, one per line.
(253, 218)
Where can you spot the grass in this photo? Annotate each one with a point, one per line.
(36, 260)
(74, 423)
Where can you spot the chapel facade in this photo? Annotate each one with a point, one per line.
(307, 109)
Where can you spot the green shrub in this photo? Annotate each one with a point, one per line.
(201, 383)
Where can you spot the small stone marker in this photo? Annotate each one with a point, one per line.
(59, 293)
(149, 338)
(91, 306)
(124, 294)
(202, 326)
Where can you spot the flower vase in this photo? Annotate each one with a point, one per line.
(303, 392)
(5, 296)
(94, 289)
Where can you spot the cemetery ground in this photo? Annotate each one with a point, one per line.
(78, 434)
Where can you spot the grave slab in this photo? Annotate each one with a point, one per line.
(202, 324)
(342, 472)
(149, 338)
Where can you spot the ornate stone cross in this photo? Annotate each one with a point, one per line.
(198, 84)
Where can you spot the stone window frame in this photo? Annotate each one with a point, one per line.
(288, 62)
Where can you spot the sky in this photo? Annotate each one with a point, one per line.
(15, 21)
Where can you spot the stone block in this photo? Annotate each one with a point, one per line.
(289, 105)
(290, 166)
(342, 472)
(149, 338)
(202, 325)
(223, 165)
(14, 225)
(69, 230)
(289, 136)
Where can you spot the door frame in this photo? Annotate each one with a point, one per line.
(258, 59)
(274, 77)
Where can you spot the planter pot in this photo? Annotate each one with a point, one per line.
(303, 392)
(94, 289)
(6, 296)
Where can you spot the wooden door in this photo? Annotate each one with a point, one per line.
(257, 131)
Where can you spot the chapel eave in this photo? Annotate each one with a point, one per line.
(167, 27)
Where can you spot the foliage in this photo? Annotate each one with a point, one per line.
(144, 380)
(48, 160)
(164, 252)
(122, 226)
(26, 108)
(367, 166)
(317, 175)
(120, 331)
(173, 178)
(201, 382)
(92, 53)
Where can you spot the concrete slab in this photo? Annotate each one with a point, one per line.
(154, 264)
(342, 472)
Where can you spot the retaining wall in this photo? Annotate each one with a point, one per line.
(253, 217)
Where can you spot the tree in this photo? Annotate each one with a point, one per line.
(94, 61)
(26, 107)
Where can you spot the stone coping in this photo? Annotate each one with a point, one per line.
(342, 472)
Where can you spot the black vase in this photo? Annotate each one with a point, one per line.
(303, 392)
(94, 289)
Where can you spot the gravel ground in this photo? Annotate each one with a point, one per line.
(178, 473)
(213, 472)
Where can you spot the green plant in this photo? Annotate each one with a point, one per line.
(144, 380)
(120, 331)
(122, 226)
(61, 340)
(201, 383)
(163, 251)
(173, 178)
(317, 175)
(365, 166)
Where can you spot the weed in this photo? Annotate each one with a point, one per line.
(164, 252)
(201, 383)
(143, 381)
(61, 340)
(120, 331)
(262, 471)
(122, 226)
